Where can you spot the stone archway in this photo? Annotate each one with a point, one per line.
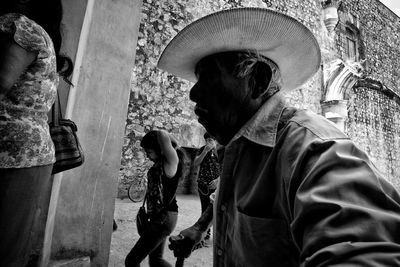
(340, 77)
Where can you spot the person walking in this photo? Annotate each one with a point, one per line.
(163, 178)
(207, 170)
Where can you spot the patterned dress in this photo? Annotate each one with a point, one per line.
(209, 170)
(24, 133)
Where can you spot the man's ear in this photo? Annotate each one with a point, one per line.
(261, 77)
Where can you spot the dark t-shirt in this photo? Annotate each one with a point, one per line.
(161, 190)
(170, 186)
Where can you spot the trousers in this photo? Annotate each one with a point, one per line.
(24, 203)
(152, 242)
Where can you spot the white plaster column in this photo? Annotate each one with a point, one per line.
(100, 37)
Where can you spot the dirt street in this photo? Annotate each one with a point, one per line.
(126, 235)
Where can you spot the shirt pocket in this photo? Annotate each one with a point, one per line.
(263, 242)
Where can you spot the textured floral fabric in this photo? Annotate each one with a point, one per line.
(24, 133)
(209, 167)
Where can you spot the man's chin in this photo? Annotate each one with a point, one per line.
(216, 135)
(213, 131)
(208, 128)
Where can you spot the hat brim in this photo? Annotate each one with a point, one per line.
(281, 38)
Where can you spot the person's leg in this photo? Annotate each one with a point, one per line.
(24, 202)
(146, 243)
(156, 256)
(151, 239)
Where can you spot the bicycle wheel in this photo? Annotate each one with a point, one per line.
(137, 190)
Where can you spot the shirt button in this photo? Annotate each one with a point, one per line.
(219, 252)
(223, 208)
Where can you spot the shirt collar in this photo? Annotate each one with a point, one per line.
(263, 126)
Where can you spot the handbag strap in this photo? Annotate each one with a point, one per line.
(56, 111)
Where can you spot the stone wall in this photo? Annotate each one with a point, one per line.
(374, 123)
(374, 106)
(160, 100)
(379, 39)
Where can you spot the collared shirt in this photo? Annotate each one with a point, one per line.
(296, 191)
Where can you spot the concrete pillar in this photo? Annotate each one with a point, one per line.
(335, 111)
(103, 44)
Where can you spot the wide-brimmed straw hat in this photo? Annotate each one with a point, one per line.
(279, 37)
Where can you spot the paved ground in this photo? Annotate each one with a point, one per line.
(126, 235)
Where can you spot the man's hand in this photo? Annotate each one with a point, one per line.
(182, 244)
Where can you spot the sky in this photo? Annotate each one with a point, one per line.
(394, 5)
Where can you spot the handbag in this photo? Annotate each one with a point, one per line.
(142, 218)
(68, 151)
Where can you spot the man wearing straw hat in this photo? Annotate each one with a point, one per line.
(294, 190)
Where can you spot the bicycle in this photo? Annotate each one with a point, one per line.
(137, 189)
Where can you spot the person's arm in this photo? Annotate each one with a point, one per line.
(343, 212)
(182, 245)
(14, 60)
(205, 220)
(199, 158)
(171, 157)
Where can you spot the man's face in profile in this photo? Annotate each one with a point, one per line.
(222, 100)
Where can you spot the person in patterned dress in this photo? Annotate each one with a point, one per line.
(162, 182)
(207, 169)
(30, 66)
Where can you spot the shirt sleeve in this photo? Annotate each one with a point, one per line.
(26, 33)
(344, 212)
